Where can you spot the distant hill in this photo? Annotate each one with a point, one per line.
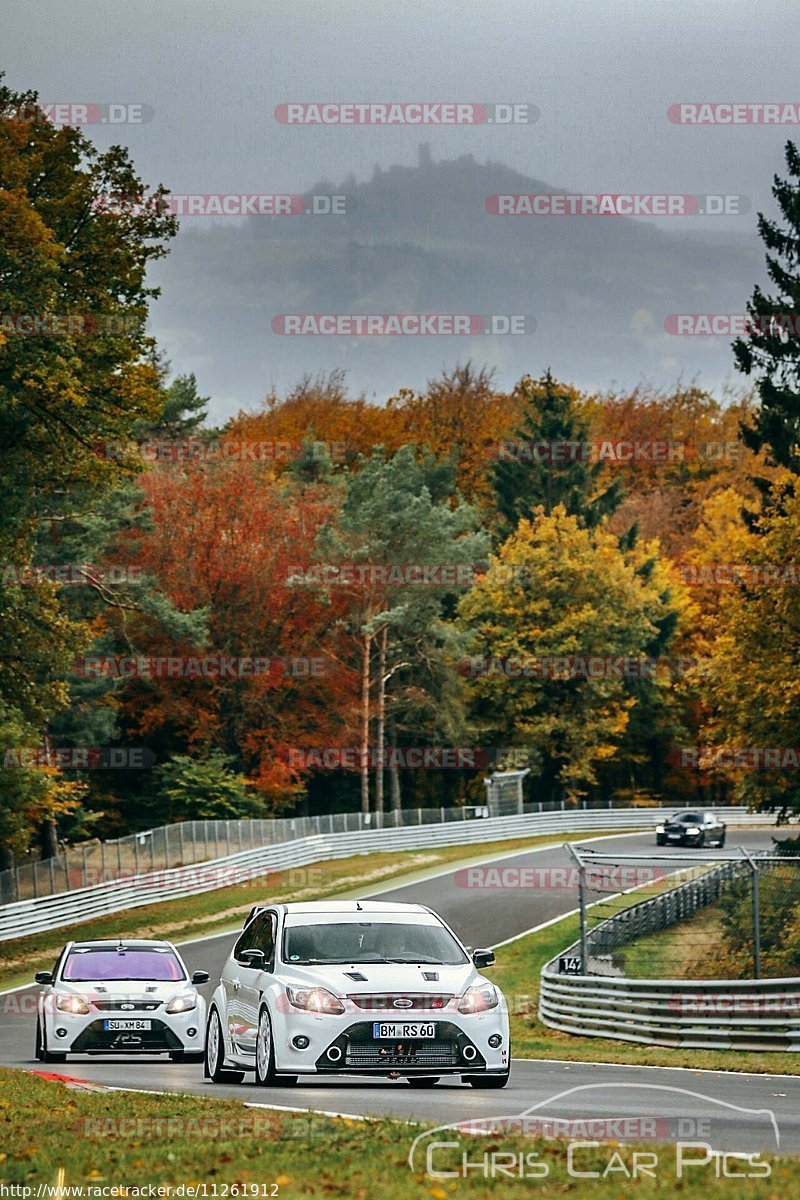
(419, 239)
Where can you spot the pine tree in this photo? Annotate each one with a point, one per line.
(547, 463)
(771, 350)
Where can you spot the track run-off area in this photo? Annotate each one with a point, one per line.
(740, 1111)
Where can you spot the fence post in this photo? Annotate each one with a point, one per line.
(756, 916)
(582, 906)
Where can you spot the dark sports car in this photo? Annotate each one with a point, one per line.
(691, 829)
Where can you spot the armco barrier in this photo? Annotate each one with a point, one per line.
(118, 895)
(729, 1014)
(760, 1014)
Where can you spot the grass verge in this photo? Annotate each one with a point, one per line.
(98, 1140)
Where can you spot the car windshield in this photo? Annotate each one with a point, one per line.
(371, 942)
(690, 818)
(153, 965)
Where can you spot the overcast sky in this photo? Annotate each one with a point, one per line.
(602, 72)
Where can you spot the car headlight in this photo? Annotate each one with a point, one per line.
(659, 828)
(315, 999)
(182, 1003)
(72, 1004)
(479, 998)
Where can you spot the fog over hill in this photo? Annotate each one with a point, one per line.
(419, 240)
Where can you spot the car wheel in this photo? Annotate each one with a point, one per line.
(42, 1053)
(660, 840)
(189, 1056)
(488, 1081)
(214, 1056)
(721, 841)
(265, 1051)
(424, 1081)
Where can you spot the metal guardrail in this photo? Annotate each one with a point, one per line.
(187, 842)
(749, 1014)
(45, 913)
(725, 1014)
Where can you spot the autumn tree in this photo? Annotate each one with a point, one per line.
(751, 681)
(74, 369)
(558, 589)
(459, 418)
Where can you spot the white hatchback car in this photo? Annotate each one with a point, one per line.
(356, 988)
(120, 997)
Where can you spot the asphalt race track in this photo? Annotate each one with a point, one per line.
(680, 1100)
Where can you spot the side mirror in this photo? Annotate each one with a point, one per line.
(483, 958)
(253, 958)
(44, 976)
(200, 977)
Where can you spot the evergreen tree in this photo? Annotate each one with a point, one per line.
(548, 462)
(771, 349)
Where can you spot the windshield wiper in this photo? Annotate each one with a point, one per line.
(418, 958)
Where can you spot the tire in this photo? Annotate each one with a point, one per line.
(265, 1051)
(721, 841)
(42, 1053)
(424, 1081)
(214, 1054)
(488, 1081)
(187, 1056)
(660, 841)
(701, 841)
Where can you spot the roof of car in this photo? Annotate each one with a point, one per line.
(353, 906)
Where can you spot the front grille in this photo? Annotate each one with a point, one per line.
(127, 1005)
(381, 1001)
(423, 1054)
(359, 1051)
(95, 1037)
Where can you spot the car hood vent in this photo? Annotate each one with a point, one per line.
(357, 976)
(431, 976)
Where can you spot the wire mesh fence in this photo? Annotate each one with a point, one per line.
(735, 916)
(189, 842)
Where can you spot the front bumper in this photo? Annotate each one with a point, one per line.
(78, 1034)
(345, 1045)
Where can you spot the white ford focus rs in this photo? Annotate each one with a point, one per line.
(120, 997)
(355, 988)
